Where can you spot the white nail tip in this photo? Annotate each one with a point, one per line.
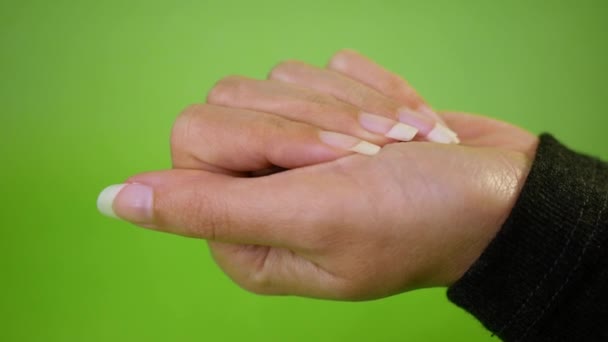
(402, 132)
(366, 148)
(105, 201)
(442, 134)
(450, 132)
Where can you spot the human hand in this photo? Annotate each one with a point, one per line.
(415, 215)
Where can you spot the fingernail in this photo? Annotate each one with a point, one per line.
(389, 128)
(442, 134)
(349, 143)
(429, 127)
(131, 202)
(424, 109)
(422, 122)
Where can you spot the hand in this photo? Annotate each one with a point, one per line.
(358, 227)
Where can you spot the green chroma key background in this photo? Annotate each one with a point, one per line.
(89, 91)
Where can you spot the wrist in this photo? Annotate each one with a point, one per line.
(492, 205)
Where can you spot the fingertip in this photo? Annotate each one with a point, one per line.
(423, 123)
(130, 202)
(366, 148)
(402, 132)
(442, 134)
(105, 200)
(387, 127)
(348, 143)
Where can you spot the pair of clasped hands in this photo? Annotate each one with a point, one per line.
(336, 183)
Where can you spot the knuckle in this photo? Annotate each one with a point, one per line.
(355, 93)
(283, 70)
(340, 59)
(258, 283)
(317, 105)
(244, 265)
(187, 134)
(311, 105)
(317, 99)
(225, 89)
(347, 52)
(181, 128)
(360, 95)
(207, 217)
(214, 222)
(273, 125)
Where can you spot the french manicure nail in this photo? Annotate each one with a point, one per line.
(452, 133)
(422, 122)
(442, 134)
(349, 143)
(105, 200)
(424, 109)
(389, 128)
(131, 202)
(433, 130)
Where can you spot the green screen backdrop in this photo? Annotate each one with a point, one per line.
(89, 90)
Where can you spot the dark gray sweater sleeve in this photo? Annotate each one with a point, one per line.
(544, 277)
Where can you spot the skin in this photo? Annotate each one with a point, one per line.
(333, 224)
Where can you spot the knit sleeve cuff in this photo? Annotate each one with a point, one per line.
(550, 243)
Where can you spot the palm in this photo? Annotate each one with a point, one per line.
(415, 174)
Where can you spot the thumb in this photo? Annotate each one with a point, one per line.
(264, 211)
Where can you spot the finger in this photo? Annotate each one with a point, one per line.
(308, 106)
(231, 140)
(278, 210)
(274, 271)
(361, 96)
(284, 213)
(362, 69)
